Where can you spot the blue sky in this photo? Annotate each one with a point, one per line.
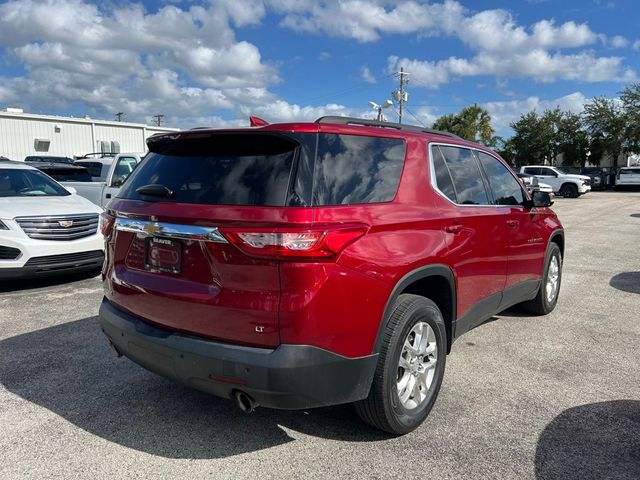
(216, 62)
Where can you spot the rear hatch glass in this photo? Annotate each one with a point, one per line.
(231, 169)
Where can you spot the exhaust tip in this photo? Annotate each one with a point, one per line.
(244, 402)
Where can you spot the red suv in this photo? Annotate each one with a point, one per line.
(308, 264)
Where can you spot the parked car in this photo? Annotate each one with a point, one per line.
(64, 172)
(44, 229)
(115, 171)
(48, 159)
(533, 184)
(564, 184)
(602, 178)
(628, 177)
(308, 264)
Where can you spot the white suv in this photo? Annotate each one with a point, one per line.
(564, 184)
(44, 229)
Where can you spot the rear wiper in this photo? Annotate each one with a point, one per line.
(155, 190)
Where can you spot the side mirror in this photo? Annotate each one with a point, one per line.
(541, 199)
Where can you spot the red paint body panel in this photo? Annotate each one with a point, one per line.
(336, 304)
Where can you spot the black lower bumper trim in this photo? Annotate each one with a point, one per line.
(288, 377)
(41, 268)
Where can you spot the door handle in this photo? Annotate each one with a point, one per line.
(513, 223)
(454, 228)
(108, 195)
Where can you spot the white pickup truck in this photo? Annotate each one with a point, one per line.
(563, 184)
(110, 173)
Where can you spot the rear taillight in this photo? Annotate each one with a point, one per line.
(106, 224)
(315, 243)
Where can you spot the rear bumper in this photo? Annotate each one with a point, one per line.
(288, 377)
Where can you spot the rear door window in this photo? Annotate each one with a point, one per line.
(466, 176)
(353, 169)
(219, 169)
(505, 188)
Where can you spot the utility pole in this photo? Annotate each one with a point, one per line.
(119, 116)
(401, 96)
(158, 118)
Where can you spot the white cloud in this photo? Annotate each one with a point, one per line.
(367, 76)
(503, 113)
(618, 41)
(636, 45)
(502, 47)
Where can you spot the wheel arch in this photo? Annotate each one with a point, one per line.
(435, 282)
(557, 237)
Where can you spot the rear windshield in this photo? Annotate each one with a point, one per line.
(223, 169)
(68, 175)
(95, 168)
(273, 169)
(626, 171)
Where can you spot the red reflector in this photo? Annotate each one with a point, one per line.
(106, 223)
(319, 242)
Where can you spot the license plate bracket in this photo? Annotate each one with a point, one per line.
(163, 255)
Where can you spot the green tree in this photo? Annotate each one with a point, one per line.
(532, 141)
(630, 98)
(607, 119)
(572, 140)
(472, 122)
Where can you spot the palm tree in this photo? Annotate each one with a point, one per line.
(472, 122)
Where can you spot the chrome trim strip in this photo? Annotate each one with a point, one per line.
(169, 230)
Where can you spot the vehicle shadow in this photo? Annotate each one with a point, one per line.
(594, 441)
(31, 283)
(70, 370)
(626, 281)
(635, 215)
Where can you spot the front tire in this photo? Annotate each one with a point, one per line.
(410, 367)
(547, 297)
(569, 190)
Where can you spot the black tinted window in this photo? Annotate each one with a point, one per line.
(95, 168)
(466, 176)
(443, 178)
(68, 175)
(505, 188)
(218, 169)
(356, 169)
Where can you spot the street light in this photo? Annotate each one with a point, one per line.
(378, 108)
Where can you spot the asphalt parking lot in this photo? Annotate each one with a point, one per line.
(554, 397)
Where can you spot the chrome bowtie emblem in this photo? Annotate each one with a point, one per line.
(65, 223)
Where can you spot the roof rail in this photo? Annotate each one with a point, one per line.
(375, 123)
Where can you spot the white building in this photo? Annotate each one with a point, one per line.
(23, 134)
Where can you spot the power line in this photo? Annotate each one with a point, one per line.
(414, 116)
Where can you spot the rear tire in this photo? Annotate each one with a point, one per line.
(547, 297)
(410, 367)
(569, 190)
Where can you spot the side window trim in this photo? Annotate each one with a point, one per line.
(434, 184)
